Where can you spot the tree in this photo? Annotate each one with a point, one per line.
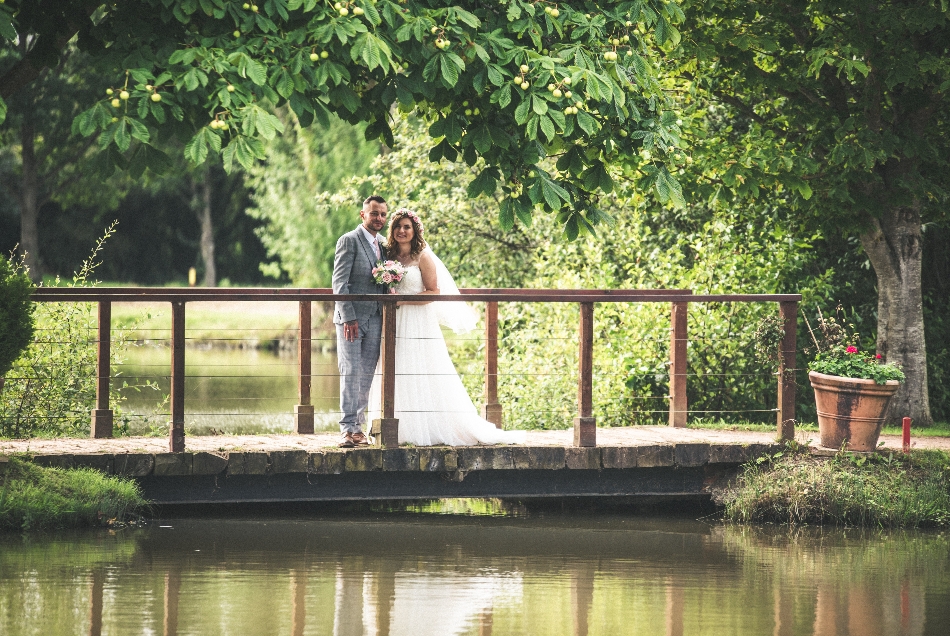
(510, 83)
(46, 161)
(292, 196)
(840, 111)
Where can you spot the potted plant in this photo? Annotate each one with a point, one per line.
(852, 389)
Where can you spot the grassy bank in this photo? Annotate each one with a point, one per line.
(33, 497)
(879, 490)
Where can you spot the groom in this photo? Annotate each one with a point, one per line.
(359, 325)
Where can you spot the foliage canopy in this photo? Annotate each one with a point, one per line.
(511, 83)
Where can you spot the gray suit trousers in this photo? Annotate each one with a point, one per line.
(357, 362)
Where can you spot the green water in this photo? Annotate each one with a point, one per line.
(418, 574)
(228, 390)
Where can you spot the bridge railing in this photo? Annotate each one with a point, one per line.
(585, 431)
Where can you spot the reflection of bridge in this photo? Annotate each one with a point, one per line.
(677, 467)
(559, 576)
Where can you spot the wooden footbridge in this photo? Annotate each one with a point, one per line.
(590, 462)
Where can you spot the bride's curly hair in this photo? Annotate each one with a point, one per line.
(418, 243)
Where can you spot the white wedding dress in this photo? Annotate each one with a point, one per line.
(432, 404)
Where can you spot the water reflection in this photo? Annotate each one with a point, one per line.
(398, 574)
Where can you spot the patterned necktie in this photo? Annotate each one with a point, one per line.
(376, 249)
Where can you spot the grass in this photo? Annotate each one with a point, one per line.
(876, 490)
(35, 498)
(938, 429)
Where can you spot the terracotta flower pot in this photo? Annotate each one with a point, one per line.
(850, 410)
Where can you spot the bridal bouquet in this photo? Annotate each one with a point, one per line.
(389, 273)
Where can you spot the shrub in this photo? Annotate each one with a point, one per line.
(16, 313)
(52, 386)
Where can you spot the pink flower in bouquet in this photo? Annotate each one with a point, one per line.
(387, 278)
(851, 349)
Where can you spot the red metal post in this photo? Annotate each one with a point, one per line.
(906, 436)
(585, 424)
(176, 429)
(678, 341)
(102, 414)
(491, 409)
(303, 411)
(788, 313)
(387, 428)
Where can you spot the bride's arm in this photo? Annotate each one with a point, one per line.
(430, 279)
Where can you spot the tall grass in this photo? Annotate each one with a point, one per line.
(34, 497)
(879, 490)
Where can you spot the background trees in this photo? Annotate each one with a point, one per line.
(840, 111)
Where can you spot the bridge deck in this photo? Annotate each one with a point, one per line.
(638, 461)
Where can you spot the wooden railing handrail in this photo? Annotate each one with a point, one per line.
(116, 294)
(584, 423)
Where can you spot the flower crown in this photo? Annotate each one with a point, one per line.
(402, 212)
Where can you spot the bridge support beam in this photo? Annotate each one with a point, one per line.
(788, 313)
(303, 410)
(176, 428)
(491, 408)
(387, 428)
(678, 404)
(102, 414)
(585, 425)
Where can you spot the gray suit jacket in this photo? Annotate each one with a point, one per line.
(353, 265)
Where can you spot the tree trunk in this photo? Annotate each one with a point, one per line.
(202, 206)
(893, 244)
(29, 202)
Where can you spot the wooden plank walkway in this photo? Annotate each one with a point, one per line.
(621, 436)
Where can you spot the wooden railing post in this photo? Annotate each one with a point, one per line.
(388, 426)
(788, 313)
(176, 429)
(303, 411)
(491, 409)
(585, 425)
(678, 404)
(102, 414)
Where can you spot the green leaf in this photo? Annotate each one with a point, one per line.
(139, 131)
(553, 193)
(540, 106)
(256, 72)
(506, 214)
(3, 110)
(547, 127)
(450, 72)
(586, 122)
(121, 136)
(481, 138)
(805, 190)
(485, 182)
(521, 113)
(284, 84)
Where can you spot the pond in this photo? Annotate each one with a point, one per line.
(388, 573)
(235, 391)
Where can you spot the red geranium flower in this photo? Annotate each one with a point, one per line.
(878, 356)
(851, 349)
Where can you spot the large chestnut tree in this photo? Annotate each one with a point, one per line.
(516, 84)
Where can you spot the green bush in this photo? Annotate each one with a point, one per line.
(51, 387)
(16, 313)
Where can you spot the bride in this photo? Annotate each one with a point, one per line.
(432, 405)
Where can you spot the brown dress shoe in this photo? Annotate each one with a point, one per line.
(348, 441)
(359, 439)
